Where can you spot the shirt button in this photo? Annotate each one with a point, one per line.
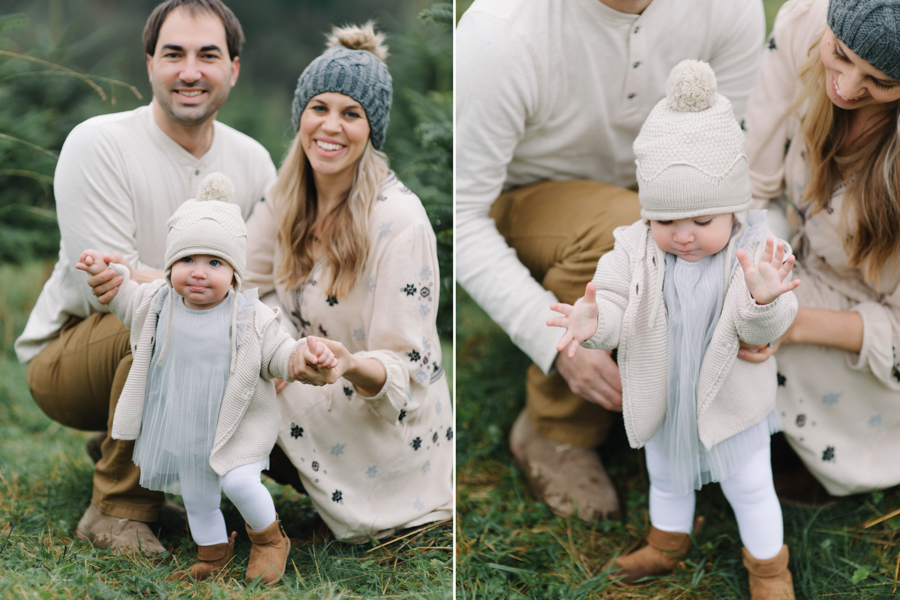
(197, 172)
(631, 96)
(636, 65)
(636, 28)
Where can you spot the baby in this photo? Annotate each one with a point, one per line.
(671, 298)
(199, 399)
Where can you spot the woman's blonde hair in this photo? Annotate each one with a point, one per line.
(870, 168)
(345, 238)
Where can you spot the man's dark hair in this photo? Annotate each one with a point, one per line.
(234, 35)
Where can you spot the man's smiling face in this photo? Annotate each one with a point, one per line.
(190, 71)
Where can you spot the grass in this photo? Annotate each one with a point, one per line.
(509, 546)
(45, 487)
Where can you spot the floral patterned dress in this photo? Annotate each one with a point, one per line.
(840, 410)
(370, 465)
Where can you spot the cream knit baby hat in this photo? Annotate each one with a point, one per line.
(209, 224)
(690, 152)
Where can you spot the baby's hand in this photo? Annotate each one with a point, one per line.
(766, 280)
(92, 262)
(580, 320)
(314, 363)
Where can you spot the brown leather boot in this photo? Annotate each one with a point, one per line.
(568, 479)
(663, 552)
(269, 553)
(210, 560)
(770, 579)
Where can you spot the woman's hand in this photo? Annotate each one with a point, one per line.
(840, 329)
(367, 374)
(315, 363)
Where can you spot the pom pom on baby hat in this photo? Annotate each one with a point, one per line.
(691, 86)
(690, 152)
(216, 186)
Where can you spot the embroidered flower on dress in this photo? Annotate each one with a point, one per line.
(416, 443)
(828, 454)
(410, 289)
(338, 497)
(296, 431)
(426, 467)
(384, 230)
(331, 300)
(372, 472)
(424, 310)
(781, 380)
(426, 272)
(358, 335)
(315, 465)
(418, 505)
(402, 416)
(875, 421)
(338, 449)
(449, 433)
(832, 398)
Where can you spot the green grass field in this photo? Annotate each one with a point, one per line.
(45, 487)
(509, 546)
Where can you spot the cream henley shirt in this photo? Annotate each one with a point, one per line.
(118, 180)
(559, 90)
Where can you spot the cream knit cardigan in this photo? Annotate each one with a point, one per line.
(249, 419)
(733, 394)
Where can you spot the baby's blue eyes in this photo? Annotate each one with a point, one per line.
(213, 263)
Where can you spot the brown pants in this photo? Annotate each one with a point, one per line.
(77, 381)
(559, 230)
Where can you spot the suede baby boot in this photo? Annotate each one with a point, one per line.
(210, 560)
(269, 553)
(770, 579)
(663, 552)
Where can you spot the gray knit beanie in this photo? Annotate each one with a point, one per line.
(690, 151)
(871, 28)
(353, 65)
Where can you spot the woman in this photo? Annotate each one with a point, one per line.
(352, 256)
(822, 129)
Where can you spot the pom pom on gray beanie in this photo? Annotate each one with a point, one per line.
(352, 66)
(690, 152)
(871, 28)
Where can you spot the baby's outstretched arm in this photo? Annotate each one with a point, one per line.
(766, 279)
(580, 321)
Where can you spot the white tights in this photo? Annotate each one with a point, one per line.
(749, 491)
(244, 488)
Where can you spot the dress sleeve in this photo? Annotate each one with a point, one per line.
(261, 233)
(402, 329)
(776, 88)
(881, 339)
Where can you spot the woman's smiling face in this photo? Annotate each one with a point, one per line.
(850, 81)
(334, 132)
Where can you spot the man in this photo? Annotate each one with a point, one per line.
(550, 97)
(118, 180)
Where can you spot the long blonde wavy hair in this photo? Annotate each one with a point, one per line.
(345, 239)
(870, 166)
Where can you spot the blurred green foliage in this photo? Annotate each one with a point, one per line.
(100, 41)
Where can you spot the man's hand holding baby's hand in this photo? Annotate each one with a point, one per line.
(579, 321)
(92, 262)
(766, 280)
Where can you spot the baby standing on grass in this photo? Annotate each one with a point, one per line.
(199, 399)
(676, 295)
